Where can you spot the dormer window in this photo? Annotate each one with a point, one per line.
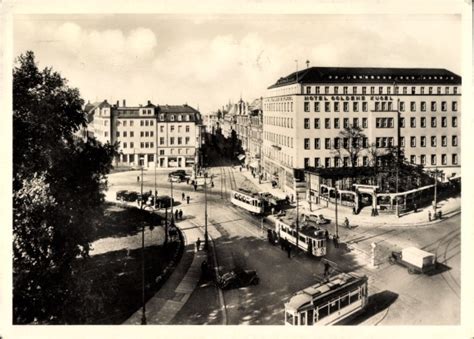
(172, 117)
(162, 117)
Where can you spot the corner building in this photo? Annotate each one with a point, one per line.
(169, 136)
(417, 109)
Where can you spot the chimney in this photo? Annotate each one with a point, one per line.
(124, 103)
(149, 102)
(118, 103)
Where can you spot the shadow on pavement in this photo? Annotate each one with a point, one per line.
(377, 303)
(440, 268)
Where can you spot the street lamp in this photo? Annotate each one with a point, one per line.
(143, 248)
(206, 241)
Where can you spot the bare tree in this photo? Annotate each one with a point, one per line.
(352, 138)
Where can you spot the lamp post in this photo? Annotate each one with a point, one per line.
(156, 161)
(206, 241)
(297, 218)
(143, 248)
(435, 190)
(337, 226)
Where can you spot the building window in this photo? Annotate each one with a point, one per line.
(317, 144)
(423, 141)
(336, 106)
(317, 89)
(131, 145)
(412, 122)
(433, 141)
(345, 161)
(326, 89)
(306, 123)
(422, 90)
(455, 90)
(317, 162)
(405, 90)
(306, 106)
(430, 90)
(337, 143)
(433, 121)
(124, 145)
(455, 106)
(354, 90)
(355, 122)
(396, 89)
(172, 128)
(444, 159)
(433, 106)
(180, 140)
(316, 123)
(454, 159)
(346, 143)
(372, 90)
(337, 162)
(346, 106)
(433, 159)
(380, 90)
(187, 140)
(364, 106)
(402, 122)
(413, 141)
(365, 142)
(365, 161)
(402, 141)
(162, 129)
(344, 90)
(327, 123)
(355, 106)
(454, 140)
(131, 134)
(327, 143)
(327, 107)
(187, 129)
(423, 106)
(142, 123)
(377, 106)
(306, 162)
(413, 90)
(455, 122)
(446, 90)
(327, 162)
(444, 141)
(172, 141)
(162, 152)
(346, 122)
(364, 90)
(306, 143)
(336, 123)
(125, 134)
(142, 145)
(402, 106)
(141, 134)
(162, 140)
(316, 106)
(412, 159)
(308, 89)
(106, 134)
(444, 122)
(423, 159)
(423, 122)
(364, 123)
(412, 106)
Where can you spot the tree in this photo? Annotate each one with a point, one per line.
(58, 183)
(352, 142)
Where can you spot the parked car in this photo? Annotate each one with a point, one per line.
(120, 194)
(130, 196)
(162, 201)
(318, 219)
(238, 277)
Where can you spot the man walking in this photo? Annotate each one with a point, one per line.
(429, 215)
(198, 244)
(288, 250)
(183, 196)
(180, 214)
(187, 199)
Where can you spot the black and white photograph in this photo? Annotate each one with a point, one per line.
(241, 165)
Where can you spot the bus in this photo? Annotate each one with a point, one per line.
(311, 237)
(247, 200)
(328, 302)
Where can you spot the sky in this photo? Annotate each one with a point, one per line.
(208, 60)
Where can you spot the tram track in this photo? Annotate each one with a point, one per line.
(447, 276)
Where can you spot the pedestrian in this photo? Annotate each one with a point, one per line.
(292, 198)
(336, 241)
(353, 210)
(180, 214)
(327, 235)
(187, 199)
(176, 215)
(429, 215)
(183, 196)
(240, 168)
(440, 214)
(138, 178)
(195, 186)
(198, 244)
(326, 268)
(282, 244)
(187, 181)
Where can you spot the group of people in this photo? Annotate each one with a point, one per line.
(178, 214)
(183, 196)
(286, 246)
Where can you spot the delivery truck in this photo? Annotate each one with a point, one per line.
(416, 260)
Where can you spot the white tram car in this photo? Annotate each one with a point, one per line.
(247, 200)
(328, 302)
(309, 235)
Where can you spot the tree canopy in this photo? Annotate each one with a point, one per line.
(58, 182)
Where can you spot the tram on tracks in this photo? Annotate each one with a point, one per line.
(328, 302)
(247, 200)
(311, 237)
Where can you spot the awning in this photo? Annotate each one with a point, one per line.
(254, 164)
(241, 157)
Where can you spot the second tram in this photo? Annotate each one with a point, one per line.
(245, 199)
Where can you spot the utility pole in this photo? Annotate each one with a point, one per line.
(435, 190)
(337, 226)
(156, 160)
(398, 152)
(143, 322)
(206, 241)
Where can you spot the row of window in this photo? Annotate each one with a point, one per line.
(280, 157)
(380, 142)
(444, 122)
(364, 161)
(379, 122)
(380, 90)
(379, 106)
(179, 141)
(278, 121)
(444, 141)
(279, 106)
(279, 139)
(131, 157)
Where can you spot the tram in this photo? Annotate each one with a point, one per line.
(311, 237)
(329, 302)
(247, 200)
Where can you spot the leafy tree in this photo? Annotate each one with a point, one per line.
(58, 182)
(352, 142)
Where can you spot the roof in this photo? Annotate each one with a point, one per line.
(369, 75)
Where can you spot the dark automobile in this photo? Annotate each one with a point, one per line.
(130, 196)
(120, 194)
(162, 201)
(177, 172)
(238, 277)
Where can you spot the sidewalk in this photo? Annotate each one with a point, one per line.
(449, 207)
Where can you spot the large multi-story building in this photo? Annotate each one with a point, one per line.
(304, 112)
(254, 154)
(165, 135)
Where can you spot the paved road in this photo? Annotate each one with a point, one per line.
(398, 298)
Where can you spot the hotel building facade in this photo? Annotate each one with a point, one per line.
(304, 112)
(165, 135)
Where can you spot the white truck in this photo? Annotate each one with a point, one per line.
(416, 260)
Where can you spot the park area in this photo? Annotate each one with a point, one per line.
(108, 283)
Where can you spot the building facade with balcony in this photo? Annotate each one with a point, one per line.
(304, 112)
(168, 136)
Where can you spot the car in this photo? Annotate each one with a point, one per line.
(162, 201)
(120, 194)
(130, 196)
(177, 172)
(238, 277)
(176, 178)
(318, 219)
